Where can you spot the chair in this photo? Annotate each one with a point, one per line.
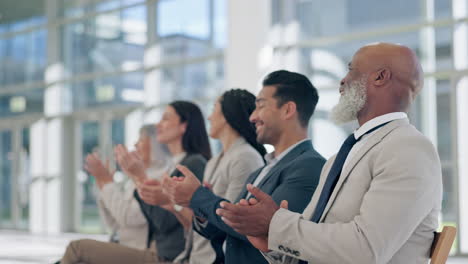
(442, 244)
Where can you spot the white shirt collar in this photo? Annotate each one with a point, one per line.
(270, 157)
(376, 121)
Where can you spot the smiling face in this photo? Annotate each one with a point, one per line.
(170, 129)
(266, 116)
(217, 121)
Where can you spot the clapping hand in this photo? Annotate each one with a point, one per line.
(102, 173)
(151, 192)
(261, 243)
(131, 163)
(251, 218)
(181, 189)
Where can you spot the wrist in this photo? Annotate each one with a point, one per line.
(177, 208)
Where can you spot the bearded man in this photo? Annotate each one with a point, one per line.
(379, 198)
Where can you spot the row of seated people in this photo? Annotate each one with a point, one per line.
(376, 201)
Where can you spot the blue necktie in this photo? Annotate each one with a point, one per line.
(334, 175)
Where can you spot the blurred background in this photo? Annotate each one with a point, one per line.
(78, 76)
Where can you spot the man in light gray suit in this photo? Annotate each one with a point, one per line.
(379, 198)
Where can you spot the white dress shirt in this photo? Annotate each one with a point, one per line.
(271, 161)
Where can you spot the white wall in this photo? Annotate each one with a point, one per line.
(248, 25)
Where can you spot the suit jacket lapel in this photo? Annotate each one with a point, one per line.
(299, 149)
(210, 169)
(373, 141)
(251, 179)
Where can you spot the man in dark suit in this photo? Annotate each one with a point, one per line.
(283, 109)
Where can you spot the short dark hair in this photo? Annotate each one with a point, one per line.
(195, 138)
(295, 87)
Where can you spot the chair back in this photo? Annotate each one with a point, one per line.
(442, 244)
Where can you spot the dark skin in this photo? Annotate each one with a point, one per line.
(393, 78)
(261, 209)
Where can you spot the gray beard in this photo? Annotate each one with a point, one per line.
(351, 102)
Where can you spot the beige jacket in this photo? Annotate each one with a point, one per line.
(227, 173)
(384, 208)
(122, 214)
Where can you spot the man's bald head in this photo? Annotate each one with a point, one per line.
(390, 76)
(400, 60)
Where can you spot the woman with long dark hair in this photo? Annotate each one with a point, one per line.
(226, 173)
(182, 130)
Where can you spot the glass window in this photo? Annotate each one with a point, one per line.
(191, 81)
(24, 179)
(182, 46)
(123, 89)
(414, 114)
(76, 8)
(444, 128)
(21, 14)
(444, 147)
(190, 28)
(220, 23)
(6, 163)
(22, 103)
(444, 50)
(461, 158)
(23, 58)
(322, 18)
(118, 132)
(442, 9)
(183, 17)
(106, 43)
(87, 189)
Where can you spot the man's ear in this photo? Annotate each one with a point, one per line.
(290, 109)
(382, 76)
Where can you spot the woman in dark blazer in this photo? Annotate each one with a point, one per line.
(182, 129)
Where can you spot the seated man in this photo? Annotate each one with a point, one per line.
(283, 109)
(379, 198)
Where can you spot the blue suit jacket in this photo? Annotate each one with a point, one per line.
(294, 178)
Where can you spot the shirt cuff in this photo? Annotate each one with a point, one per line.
(199, 224)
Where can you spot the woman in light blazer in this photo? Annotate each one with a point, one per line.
(117, 205)
(226, 173)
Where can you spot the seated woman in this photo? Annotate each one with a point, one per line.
(227, 172)
(182, 129)
(118, 207)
